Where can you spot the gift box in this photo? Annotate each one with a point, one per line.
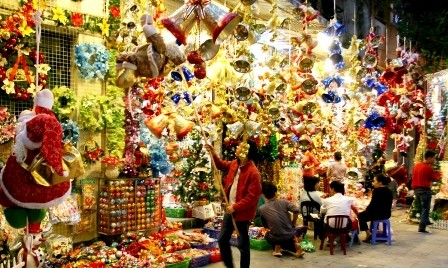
(175, 212)
(203, 212)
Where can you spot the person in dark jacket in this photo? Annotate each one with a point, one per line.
(242, 185)
(380, 205)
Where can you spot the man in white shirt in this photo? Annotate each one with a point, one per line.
(337, 204)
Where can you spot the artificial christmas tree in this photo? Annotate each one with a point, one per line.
(196, 179)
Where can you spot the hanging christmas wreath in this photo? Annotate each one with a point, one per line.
(18, 57)
(70, 131)
(90, 114)
(64, 102)
(7, 125)
(92, 60)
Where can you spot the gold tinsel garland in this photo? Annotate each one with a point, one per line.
(421, 148)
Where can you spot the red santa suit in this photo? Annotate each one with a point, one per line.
(39, 134)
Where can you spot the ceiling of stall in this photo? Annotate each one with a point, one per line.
(261, 11)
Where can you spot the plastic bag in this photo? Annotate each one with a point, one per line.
(307, 245)
(58, 245)
(66, 212)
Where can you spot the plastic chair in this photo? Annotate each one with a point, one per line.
(308, 207)
(355, 232)
(386, 235)
(354, 237)
(340, 230)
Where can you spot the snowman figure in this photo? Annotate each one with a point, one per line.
(32, 255)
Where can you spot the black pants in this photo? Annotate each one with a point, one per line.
(364, 217)
(243, 242)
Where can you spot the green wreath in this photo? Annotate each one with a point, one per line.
(64, 102)
(90, 112)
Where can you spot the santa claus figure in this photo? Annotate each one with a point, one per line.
(24, 200)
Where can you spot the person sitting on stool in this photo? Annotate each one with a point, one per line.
(379, 207)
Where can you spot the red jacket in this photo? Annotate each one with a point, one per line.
(249, 187)
(423, 175)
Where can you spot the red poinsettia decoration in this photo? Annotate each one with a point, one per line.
(115, 11)
(77, 19)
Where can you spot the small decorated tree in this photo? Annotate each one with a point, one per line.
(196, 179)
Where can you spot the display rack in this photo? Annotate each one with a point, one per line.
(128, 204)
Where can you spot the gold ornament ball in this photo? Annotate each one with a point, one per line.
(6, 35)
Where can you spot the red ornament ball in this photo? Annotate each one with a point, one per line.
(194, 57)
(200, 71)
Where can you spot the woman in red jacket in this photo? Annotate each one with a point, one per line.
(242, 185)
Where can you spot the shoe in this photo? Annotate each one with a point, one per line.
(277, 254)
(367, 239)
(299, 255)
(425, 232)
(430, 223)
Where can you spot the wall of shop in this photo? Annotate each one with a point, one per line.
(57, 45)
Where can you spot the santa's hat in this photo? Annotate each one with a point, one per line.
(44, 98)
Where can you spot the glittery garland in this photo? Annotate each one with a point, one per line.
(131, 128)
(289, 182)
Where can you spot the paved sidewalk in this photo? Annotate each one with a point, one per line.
(409, 249)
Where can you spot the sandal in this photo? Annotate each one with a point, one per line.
(368, 239)
(299, 255)
(277, 254)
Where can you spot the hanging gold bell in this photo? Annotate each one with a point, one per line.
(361, 72)
(179, 24)
(211, 132)
(253, 128)
(219, 23)
(309, 108)
(310, 127)
(275, 88)
(248, 2)
(305, 142)
(208, 50)
(243, 93)
(228, 115)
(242, 64)
(306, 64)
(235, 129)
(171, 147)
(181, 125)
(157, 124)
(241, 32)
(298, 129)
(274, 112)
(369, 60)
(213, 110)
(376, 41)
(309, 86)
